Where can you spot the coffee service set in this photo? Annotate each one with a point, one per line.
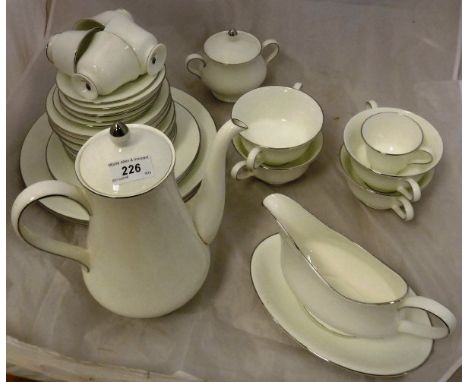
(157, 176)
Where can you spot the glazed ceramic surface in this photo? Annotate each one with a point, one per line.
(393, 141)
(390, 356)
(101, 19)
(282, 122)
(357, 148)
(66, 48)
(159, 258)
(397, 201)
(34, 167)
(126, 96)
(79, 130)
(150, 53)
(342, 284)
(233, 64)
(276, 175)
(107, 64)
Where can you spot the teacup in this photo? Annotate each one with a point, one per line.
(394, 141)
(65, 49)
(150, 53)
(407, 186)
(107, 64)
(275, 175)
(282, 122)
(101, 19)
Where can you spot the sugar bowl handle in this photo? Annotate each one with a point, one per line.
(195, 70)
(275, 46)
(42, 190)
(429, 306)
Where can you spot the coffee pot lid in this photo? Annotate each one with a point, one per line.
(232, 47)
(125, 160)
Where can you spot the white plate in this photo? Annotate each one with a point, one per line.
(126, 94)
(79, 130)
(390, 356)
(357, 148)
(34, 168)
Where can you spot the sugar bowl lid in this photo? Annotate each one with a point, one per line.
(125, 160)
(232, 47)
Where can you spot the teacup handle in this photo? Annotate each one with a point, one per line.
(240, 171)
(422, 156)
(415, 194)
(371, 104)
(196, 71)
(404, 209)
(297, 86)
(42, 190)
(429, 306)
(275, 51)
(156, 59)
(254, 159)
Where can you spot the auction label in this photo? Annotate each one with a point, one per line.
(131, 169)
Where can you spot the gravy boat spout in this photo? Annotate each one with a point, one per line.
(341, 284)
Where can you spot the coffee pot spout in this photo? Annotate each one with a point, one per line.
(207, 206)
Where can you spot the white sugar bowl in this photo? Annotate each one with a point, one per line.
(233, 64)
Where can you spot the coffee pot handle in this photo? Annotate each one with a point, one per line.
(196, 71)
(274, 52)
(42, 190)
(429, 306)
(415, 194)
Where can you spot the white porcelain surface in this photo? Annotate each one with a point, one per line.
(393, 141)
(406, 185)
(127, 95)
(107, 64)
(233, 63)
(282, 121)
(151, 54)
(276, 175)
(342, 284)
(388, 356)
(80, 130)
(65, 49)
(34, 166)
(146, 252)
(396, 201)
(357, 148)
(102, 19)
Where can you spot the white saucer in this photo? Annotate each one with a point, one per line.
(134, 90)
(78, 130)
(357, 148)
(390, 356)
(34, 168)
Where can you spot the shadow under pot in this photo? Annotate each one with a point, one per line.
(233, 63)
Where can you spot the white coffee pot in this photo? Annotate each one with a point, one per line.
(146, 253)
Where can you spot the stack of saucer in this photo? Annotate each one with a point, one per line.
(283, 137)
(147, 100)
(109, 69)
(388, 157)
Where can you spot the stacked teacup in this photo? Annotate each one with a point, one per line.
(389, 156)
(109, 69)
(283, 136)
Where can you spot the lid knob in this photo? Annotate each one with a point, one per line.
(232, 32)
(119, 133)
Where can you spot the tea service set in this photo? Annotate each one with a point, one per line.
(122, 151)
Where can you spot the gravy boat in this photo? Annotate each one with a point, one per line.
(343, 285)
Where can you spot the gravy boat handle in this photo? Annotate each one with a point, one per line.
(429, 306)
